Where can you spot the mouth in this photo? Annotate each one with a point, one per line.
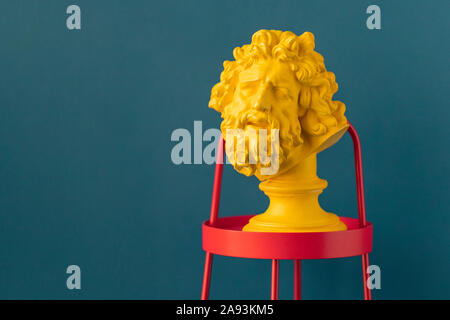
(258, 124)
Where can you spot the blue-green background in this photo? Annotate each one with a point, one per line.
(85, 123)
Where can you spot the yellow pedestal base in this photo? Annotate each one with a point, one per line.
(294, 205)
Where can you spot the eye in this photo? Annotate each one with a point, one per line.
(281, 93)
(246, 89)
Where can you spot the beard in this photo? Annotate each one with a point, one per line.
(248, 154)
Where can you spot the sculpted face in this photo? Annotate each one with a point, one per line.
(265, 98)
(276, 103)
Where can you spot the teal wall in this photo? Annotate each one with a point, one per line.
(85, 122)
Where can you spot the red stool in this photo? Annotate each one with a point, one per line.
(223, 236)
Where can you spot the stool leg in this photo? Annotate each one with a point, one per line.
(207, 276)
(274, 291)
(297, 279)
(365, 265)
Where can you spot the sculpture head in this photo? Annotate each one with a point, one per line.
(280, 84)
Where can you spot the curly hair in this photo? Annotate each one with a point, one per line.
(316, 111)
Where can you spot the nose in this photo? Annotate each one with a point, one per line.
(263, 98)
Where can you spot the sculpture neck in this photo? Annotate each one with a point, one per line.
(300, 178)
(304, 170)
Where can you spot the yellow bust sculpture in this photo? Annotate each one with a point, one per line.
(278, 85)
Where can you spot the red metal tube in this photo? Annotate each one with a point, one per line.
(297, 279)
(359, 175)
(217, 182)
(361, 203)
(213, 215)
(274, 287)
(207, 276)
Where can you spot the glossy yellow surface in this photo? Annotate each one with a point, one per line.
(280, 84)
